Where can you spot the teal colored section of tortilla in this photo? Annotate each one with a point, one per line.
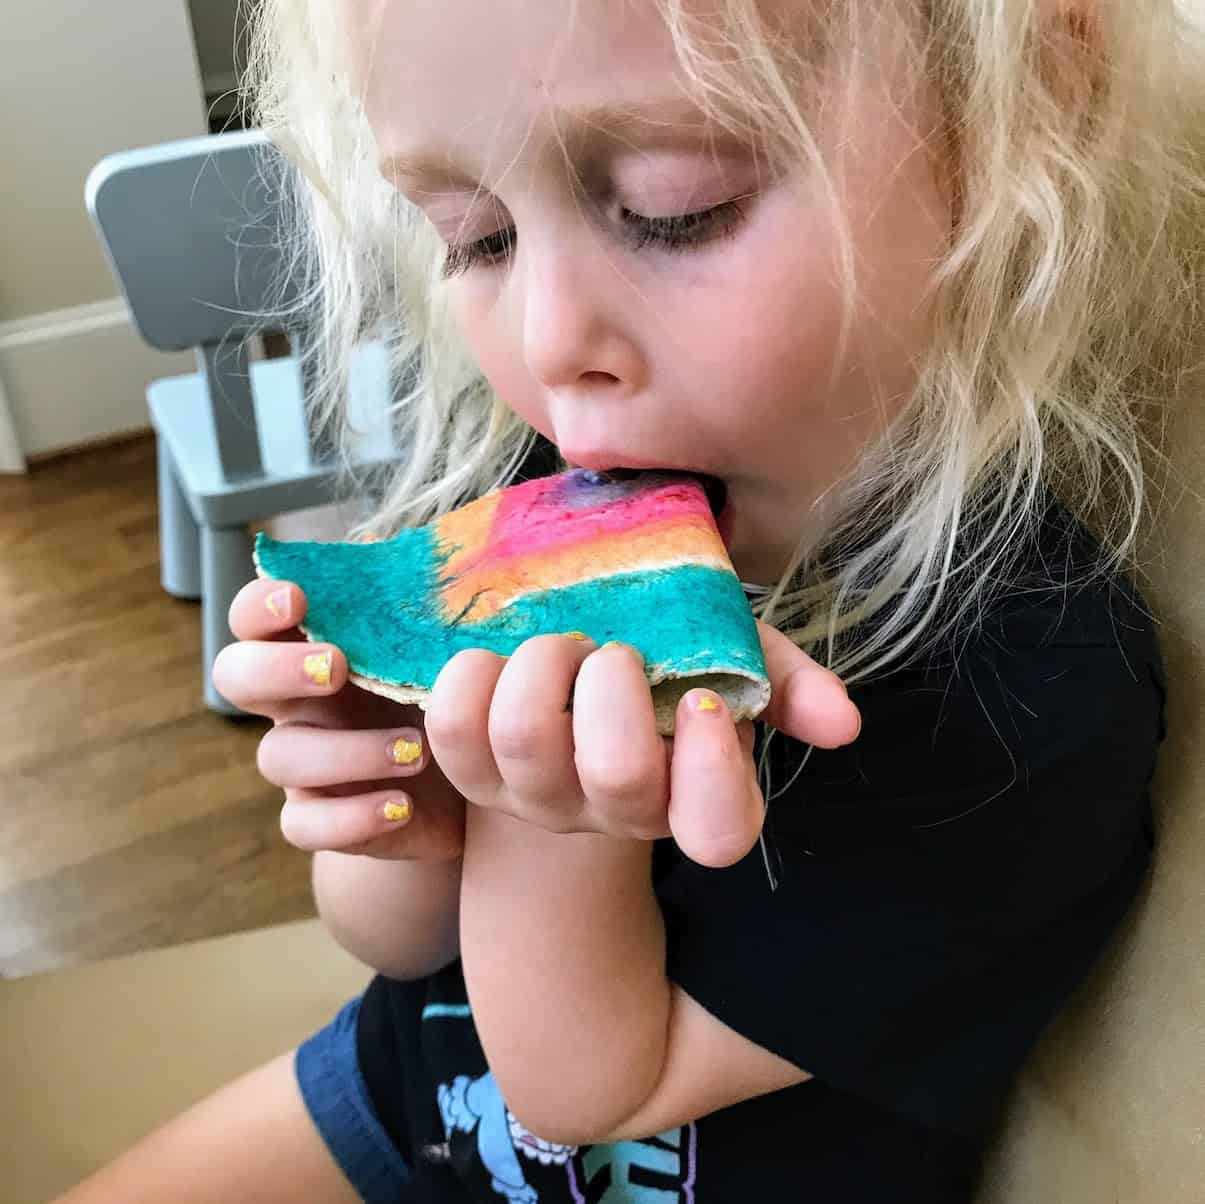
(379, 603)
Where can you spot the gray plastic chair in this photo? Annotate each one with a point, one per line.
(189, 231)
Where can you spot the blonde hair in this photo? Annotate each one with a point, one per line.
(1064, 309)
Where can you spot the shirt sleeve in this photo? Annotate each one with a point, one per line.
(946, 881)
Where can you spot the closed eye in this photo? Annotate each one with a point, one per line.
(674, 233)
(483, 251)
(686, 229)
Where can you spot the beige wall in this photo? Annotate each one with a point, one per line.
(76, 82)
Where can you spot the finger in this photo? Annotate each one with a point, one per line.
(351, 708)
(808, 701)
(385, 822)
(263, 609)
(259, 676)
(531, 726)
(715, 807)
(296, 755)
(621, 760)
(457, 724)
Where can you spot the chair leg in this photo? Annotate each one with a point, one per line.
(226, 566)
(179, 537)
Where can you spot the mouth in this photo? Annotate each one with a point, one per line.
(715, 489)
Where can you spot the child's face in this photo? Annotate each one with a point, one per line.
(716, 354)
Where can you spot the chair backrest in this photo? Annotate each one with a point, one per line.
(190, 232)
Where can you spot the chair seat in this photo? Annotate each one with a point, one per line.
(292, 478)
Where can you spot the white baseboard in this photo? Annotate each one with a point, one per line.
(74, 376)
(11, 457)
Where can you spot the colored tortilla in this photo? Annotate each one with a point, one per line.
(639, 561)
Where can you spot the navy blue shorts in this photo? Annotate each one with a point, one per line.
(328, 1072)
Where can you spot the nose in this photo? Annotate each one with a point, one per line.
(574, 332)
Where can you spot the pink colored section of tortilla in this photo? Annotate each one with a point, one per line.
(527, 523)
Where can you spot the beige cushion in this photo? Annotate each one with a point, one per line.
(1111, 1110)
(93, 1058)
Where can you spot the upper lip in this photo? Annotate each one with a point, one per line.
(602, 462)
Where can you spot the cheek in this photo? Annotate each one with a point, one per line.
(773, 333)
(478, 315)
(769, 330)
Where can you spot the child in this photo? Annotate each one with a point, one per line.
(905, 277)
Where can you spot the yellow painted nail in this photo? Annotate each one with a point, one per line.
(278, 603)
(318, 668)
(577, 635)
(398, 813)
(405, 752)
(706, 702)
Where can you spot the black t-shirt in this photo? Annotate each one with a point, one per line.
(943, 884)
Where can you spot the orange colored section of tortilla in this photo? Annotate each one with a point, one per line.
(468, 529)
(480, 593)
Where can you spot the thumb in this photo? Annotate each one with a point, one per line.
(807, 701)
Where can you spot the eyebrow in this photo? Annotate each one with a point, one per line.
(667, 122)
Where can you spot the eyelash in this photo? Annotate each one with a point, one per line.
(677, 233)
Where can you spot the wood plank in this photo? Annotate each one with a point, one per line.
(131, 817)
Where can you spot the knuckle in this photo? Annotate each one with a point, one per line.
(618, 779)
(298, 835)
(448, 727)
(267, 760)
(225, 672)
(517, 736)
(315, 824)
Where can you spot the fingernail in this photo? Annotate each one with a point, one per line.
(318, 668)
(405, 752)
(704, 701)
(621, 645)
(279, 603)
(577, 635)
(399, 812)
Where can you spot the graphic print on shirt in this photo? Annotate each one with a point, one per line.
(467, 1104)
(658, 1170)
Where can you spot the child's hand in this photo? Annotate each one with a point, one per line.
(346, 759)
(502, 733)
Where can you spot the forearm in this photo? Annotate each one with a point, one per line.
(564, 958)
(399, 917)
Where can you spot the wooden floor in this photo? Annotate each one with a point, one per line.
(130, 816)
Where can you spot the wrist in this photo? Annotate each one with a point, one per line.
(504, 829)
(566, 927)
(401, 918)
